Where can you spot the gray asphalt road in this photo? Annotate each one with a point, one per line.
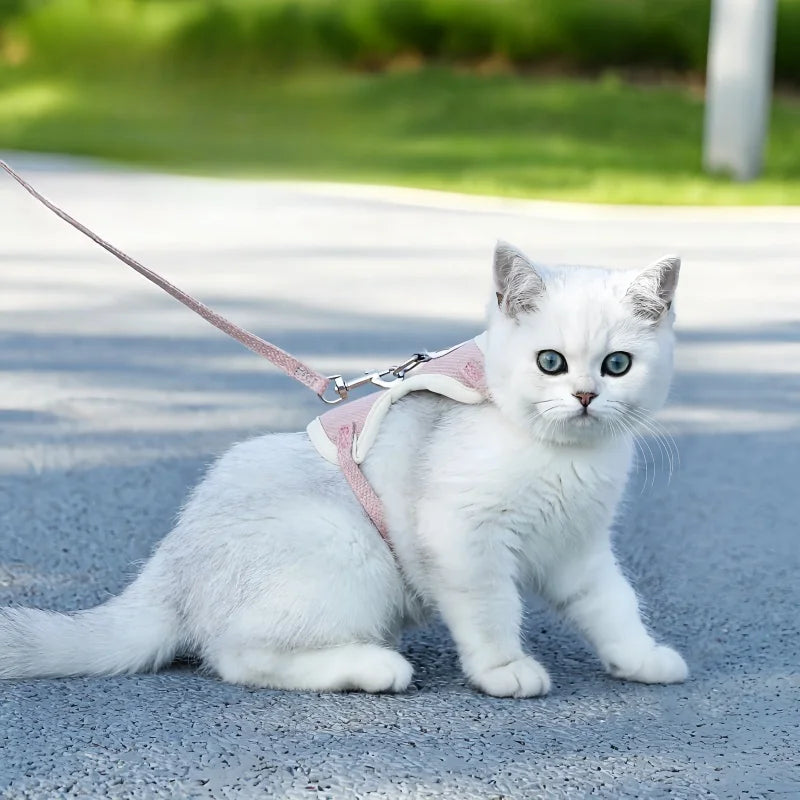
(114, 398)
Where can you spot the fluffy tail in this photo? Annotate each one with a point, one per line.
(133, 632)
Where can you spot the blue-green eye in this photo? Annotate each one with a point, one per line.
(616, 364)
(551, 363)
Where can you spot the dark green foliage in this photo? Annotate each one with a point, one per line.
(216, 32)
(787, 44)
(11, 8)
(671, 34)
(572, 34)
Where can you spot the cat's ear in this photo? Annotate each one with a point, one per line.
(652, 291)
(518, 285)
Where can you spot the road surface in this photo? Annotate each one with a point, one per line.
(114, 398)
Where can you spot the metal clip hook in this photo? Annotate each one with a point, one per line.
(384, 378)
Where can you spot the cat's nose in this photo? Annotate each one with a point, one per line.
(585, 397)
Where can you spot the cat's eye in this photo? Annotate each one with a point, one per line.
(551, 362)
(616, 364)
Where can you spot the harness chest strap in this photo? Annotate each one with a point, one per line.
(345, 434)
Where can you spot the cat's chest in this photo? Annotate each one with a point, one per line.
(544, 493)
(555, 489)
(467, 462)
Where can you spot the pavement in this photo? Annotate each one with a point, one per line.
(114, 398)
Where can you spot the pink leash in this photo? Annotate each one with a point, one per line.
(280, 358)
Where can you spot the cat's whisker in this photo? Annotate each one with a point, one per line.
(661, 435)
(643, 443)
(658, 442)
(663, 449)
(548, 425)
(648, 415)
(652, 457)
(666, 442)
(625, 426)
(663, 446)
(666, 433)
(541, 413)
(618, 429)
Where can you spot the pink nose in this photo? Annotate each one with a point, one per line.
(585, 397)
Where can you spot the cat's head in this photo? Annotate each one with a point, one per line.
(579, 353)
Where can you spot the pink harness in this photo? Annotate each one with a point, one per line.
(345, 434)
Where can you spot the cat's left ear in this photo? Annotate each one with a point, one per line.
(652, 291)
(518, 286)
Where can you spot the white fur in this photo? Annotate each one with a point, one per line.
(274, 575)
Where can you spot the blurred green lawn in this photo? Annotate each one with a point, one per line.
(569, 139)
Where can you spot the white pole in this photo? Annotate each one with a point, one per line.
(741, 51)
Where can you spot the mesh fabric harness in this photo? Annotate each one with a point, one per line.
(345, 435)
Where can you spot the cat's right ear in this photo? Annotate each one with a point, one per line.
(652, 291)
(518, 285)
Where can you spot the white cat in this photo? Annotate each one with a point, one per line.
(275, 577)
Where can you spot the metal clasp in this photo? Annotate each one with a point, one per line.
(384, 378)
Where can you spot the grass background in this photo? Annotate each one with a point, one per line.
(513, 97)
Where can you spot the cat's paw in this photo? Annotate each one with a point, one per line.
(658, 664)
(386, 671)
(525, 677)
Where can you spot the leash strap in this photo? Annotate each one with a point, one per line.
(280, 358)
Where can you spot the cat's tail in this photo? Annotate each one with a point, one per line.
(134, 632)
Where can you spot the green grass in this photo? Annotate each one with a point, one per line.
(592, 140)
(204, 87)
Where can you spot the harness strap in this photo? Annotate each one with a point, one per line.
(280, 358)
(345, 426)
(361, 487)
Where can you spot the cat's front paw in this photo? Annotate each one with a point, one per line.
(658, 664)
(524, 677)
